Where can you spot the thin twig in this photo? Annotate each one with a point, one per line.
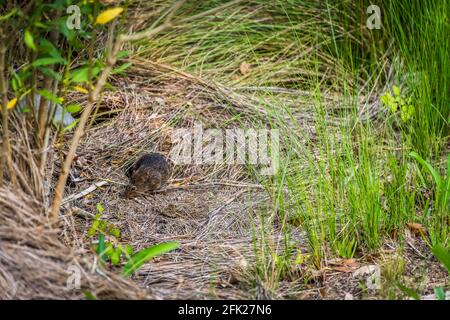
(82, 213)
(84, 192)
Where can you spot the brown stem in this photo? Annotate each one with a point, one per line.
(93, 97)
(6, 150)
(42, 113)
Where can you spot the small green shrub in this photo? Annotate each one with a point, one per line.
(110, 249)
(398, 103)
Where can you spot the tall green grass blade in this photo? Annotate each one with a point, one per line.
(137, 260)
(436, 177)
(443, 255)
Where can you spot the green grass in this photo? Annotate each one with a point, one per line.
(351, 182)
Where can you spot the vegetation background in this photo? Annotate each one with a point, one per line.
(364, 181)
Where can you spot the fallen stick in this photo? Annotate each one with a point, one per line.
(82, 213)
(84, 192)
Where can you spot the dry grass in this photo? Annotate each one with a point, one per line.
(210, 209)
(35, 263)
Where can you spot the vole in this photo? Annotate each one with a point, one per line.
(150, 172)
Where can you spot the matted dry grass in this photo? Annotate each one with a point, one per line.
(36, 264)
(35, 261)
(212, 210)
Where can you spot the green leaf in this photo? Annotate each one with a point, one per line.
(102, 225)
(137, 260)
(60, 25)
(437, 178)
(81, 74)
(8, 15)
(389, 101)
(439, 293)
(406, 112)
(122, 54)
(93, 229)
(443, 255)
(121, 68)
(396, 90)
(101, 247)
(128, 250)
(73, 108)
(448, 166)
(29, 41)
(47, 61)
(115, 232)
(16, 83)
(47, 47)
(100, 208)
(50, 96)
(115, 257)
(50, 73)
(109, 249)
(89, 295)
(410, 292)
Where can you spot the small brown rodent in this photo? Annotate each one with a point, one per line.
(150, 172)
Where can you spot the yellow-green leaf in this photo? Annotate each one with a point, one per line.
(406, 112)
(50, 96)
(89, 295)
(80, 89)
(29, 41)
(11, 104)
(47, 61)
(73, 108)
(396, 90)
(115, 256)
(108, 15)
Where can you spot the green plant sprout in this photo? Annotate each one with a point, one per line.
(397, 102)
(109, 248)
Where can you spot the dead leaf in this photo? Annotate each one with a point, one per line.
(244, 68)
(345, 269)
(349, 262)
(373, 276)
(344, 265)
(348, 296)
(416, 228)
(366, 270)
